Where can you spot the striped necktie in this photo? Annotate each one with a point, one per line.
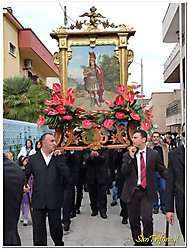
(143, 170)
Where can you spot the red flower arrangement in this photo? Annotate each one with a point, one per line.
(60, 110)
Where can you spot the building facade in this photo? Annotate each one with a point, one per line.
(162, 105)
(24, 51)
(174, 31)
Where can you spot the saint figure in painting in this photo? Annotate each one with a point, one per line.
(94, 81)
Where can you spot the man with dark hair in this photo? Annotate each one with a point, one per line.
(160, 182)
(170, 141)
(175, 185)
(48, 171)
(139, 166)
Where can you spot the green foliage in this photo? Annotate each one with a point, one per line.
(88, 133)
(22, 99)
(111, 68)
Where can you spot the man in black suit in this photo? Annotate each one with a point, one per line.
(175, 185)
(48, 171)
(13, 182)
(69, 188)
(97, 178)
(139, 166)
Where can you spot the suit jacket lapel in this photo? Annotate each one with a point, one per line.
(42, 158)
(135, 164)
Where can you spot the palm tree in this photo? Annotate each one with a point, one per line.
(22, 99)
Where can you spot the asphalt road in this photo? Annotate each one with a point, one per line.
(97, 232)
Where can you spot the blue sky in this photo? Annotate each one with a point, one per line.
(145, 17)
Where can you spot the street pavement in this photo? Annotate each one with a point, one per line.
(88, 231)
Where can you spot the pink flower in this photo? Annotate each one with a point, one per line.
(49, 102)
(41, 121)
(130, 96)
(143, 105)
(122, 89)
(80, 109)
(86, 124)
(108, 123)
(61, 109)
(101, 111)
(71, 92)
(81, 116)
(69, 100)
(52, 112)
(119, 100)
(67, 117)
(120, 115)
(108, 103)
(136, 86)
(135, 116)
(145, 124)
(57, 87)
(57, 98)
(149, 114)
(140, 96)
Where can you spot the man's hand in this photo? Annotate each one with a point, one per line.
(132, 151)
(170, 217)
(26, 189)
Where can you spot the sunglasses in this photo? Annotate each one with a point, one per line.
(183, 134)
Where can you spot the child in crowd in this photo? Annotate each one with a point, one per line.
(22, 161)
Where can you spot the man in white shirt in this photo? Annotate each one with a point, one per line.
(48, 171)
(139, 166)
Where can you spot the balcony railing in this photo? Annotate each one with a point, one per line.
(173, 108)
(171, 57)
(173, 54)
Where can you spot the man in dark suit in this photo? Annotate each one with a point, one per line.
(175, 185)
(97, 178)
(13, 182)
(48, 171)
(69, 188)
(139, 166)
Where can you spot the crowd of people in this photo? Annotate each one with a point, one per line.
(144, 178)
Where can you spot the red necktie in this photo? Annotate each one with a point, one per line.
(143, 170)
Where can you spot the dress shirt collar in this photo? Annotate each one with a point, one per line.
(47, 158)
(144, 150)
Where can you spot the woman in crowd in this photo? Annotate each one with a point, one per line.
(28, 149)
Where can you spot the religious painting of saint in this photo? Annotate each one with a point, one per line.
(94, 75)
(94, 81)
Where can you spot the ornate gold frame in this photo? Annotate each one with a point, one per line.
(94, 33)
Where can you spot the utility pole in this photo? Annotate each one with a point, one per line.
(65, 14)
(142, 82)
(141, 76)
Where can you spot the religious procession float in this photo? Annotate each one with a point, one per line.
(93, 106)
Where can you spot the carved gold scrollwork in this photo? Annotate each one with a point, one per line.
(130, 56)
(92, 41)
(62, 43)
(72, 137)
(69, 54)
(56, 58)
